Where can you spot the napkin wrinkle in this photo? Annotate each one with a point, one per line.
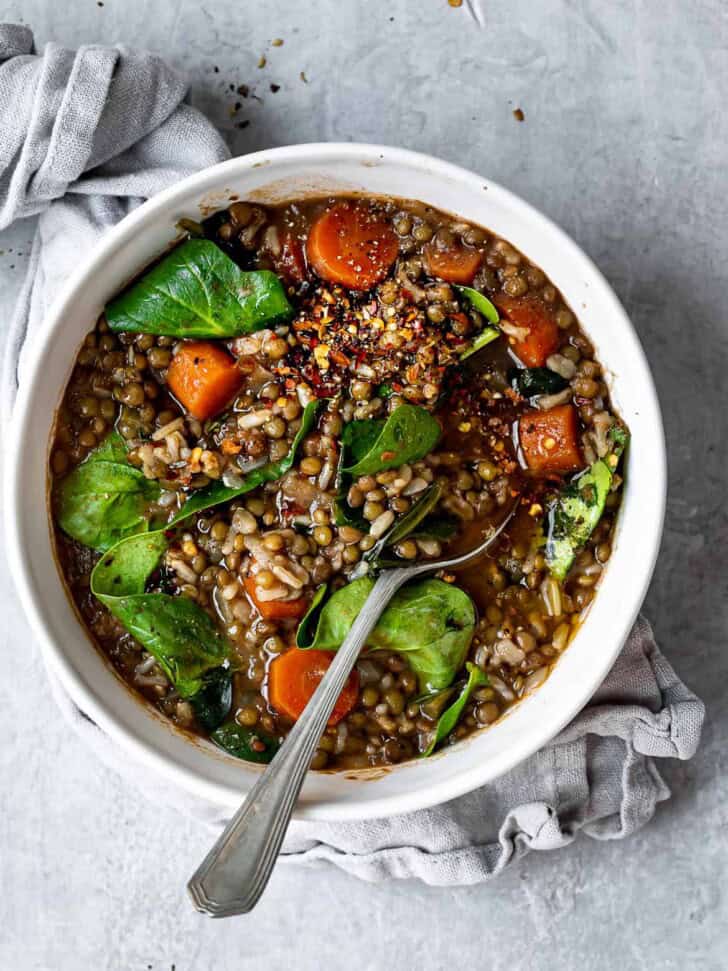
(87, 136)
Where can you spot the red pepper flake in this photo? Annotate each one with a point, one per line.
(338, 358)
(386, 456)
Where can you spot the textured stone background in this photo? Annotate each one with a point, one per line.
(623, 144)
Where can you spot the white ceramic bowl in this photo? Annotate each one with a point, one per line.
(277, 175)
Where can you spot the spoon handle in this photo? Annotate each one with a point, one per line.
(235, 872)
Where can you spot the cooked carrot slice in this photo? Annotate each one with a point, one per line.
(203, 378)
(275, 609)
(550, 440)
(294, 676)
(350, 245)
(543, 333)
(456, 264)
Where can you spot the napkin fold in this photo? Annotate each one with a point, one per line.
(87, 136)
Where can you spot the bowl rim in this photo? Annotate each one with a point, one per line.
(212, 179)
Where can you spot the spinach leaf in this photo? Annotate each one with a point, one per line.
(533, 381)
(217, 492)
(574, 514)
(478, 301)
(408, 434)
(198, 291)
(180, 635)
(436, 527)
(408, 523)
(250, 744)
(430, 621)
(104, 499)
(356, 440)
(212, 702)
(306, 633)
(451, 716)
(485, 337)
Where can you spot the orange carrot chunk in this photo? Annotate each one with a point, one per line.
(294, 676)
(275, 609)
(349, 245)
(456, 264)
(543, 336)
(550, 440)
(203, 378)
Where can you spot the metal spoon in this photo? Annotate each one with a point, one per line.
(235, 872)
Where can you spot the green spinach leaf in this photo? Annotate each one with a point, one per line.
(356, 440)
(574, 514)
(212, 702)
(104, 499)
(180, 635)
(198, 291)
(532, 381)
(408, 434)
(478, 301)
(431, 622)
(485, 337)
(250, 744)
(436, 527)
(451, 716)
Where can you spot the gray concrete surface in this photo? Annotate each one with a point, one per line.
(624, 144)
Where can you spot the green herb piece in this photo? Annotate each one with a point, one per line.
(104, 499)
(408, 523)
(485, 337)
(384, 391)
(532, 381)
(574, 514)
(198, 291)
(478, 301)
(212, 702)
(451, 716)
(180, 635)
(408, 434)
(429, 621)
(250, 744)
(217, 492)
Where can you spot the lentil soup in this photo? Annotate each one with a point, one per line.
(296, 397)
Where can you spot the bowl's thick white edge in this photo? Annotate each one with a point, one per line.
(31, 592)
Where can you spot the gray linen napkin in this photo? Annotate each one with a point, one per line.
(89, 135)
